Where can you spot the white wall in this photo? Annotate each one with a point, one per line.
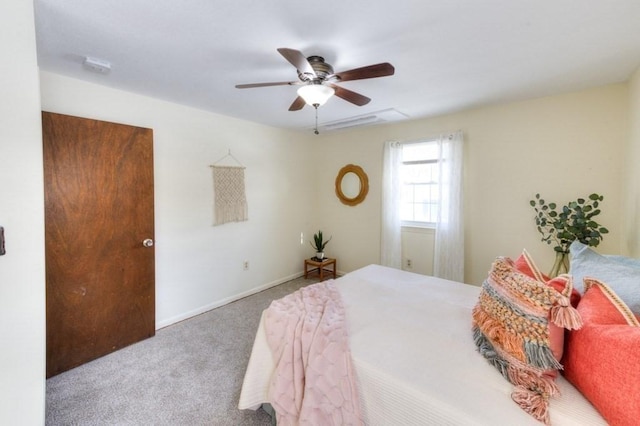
(631, 220)
(199, 266)
(22, 290)
(562, 146)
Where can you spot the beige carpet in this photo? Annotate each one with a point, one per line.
(190, 373)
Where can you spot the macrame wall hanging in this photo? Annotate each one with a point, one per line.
(230, 200)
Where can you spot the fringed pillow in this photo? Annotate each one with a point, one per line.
(525, 264)
(511, 328)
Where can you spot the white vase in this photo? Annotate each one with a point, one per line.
(320, 255)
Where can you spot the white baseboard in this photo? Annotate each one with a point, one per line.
(217, 304)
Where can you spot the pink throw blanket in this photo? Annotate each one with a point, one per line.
(313, 382)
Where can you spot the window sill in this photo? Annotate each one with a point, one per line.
(425, 229)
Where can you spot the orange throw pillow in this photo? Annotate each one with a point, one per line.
(562, 284)
(602, 359)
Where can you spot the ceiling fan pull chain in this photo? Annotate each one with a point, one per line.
(316, 129)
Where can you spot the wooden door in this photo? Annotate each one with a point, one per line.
(98, 211)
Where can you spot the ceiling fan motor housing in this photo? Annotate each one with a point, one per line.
(322, 69)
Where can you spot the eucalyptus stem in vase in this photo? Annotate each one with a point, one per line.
(562, 226)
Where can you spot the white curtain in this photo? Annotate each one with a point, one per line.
(448, 259)
(391, 238)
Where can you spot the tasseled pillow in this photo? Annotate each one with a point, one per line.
(511, 328)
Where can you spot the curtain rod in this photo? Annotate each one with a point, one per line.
(428, 138)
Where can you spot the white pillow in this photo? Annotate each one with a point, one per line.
(629, 261)
(621, 273)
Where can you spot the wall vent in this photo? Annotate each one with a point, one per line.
(384, 116)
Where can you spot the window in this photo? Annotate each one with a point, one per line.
(424, 189)
(419, 177)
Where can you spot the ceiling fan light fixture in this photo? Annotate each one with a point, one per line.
(315, 94)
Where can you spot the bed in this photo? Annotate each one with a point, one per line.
(415, 360)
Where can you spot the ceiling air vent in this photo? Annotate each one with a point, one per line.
(99, 66)
(384, 116)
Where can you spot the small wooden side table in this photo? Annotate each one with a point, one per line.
(321, 267)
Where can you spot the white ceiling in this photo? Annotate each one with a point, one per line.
(448, 55)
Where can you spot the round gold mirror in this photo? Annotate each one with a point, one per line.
(352, 185)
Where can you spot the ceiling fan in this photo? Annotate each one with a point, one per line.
(317, 80)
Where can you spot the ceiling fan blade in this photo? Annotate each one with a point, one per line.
(372, 71)
(350, 96)
(280, 83)
(298, 60)
(298, 104)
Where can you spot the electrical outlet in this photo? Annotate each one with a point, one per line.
(245, 265)
(409, 263)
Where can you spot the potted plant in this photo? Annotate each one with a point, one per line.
(319, 244)
(562, 226)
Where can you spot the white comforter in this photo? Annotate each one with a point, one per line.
(415, 360)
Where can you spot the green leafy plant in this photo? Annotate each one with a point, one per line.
(318, 242)
(573, 221)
